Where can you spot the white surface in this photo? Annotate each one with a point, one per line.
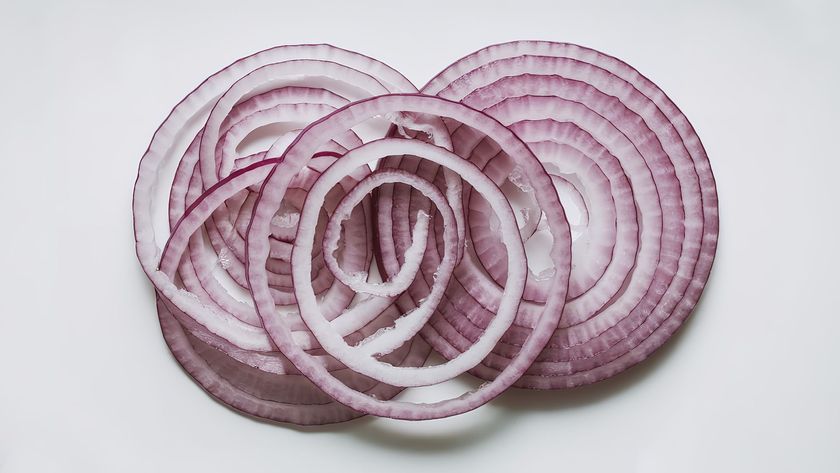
(750, 384)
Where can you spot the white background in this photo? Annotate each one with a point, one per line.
(750, 384)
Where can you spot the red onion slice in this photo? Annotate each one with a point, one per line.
(296, 157)
(294, 85)
(512, 81)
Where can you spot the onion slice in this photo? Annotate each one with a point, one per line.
(296, 157)
(200, 274)
(557, 94)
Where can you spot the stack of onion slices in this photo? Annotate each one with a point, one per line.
(539, 215)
